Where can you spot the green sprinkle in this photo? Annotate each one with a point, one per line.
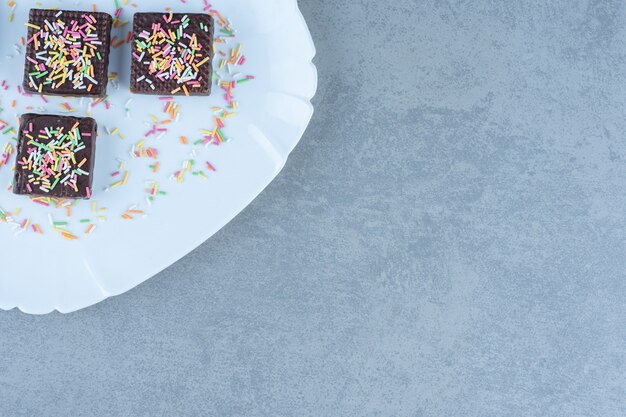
(54, 184)
(41, 145)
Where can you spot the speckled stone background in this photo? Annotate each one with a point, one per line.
(448, 240)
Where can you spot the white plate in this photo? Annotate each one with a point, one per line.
(42, 273)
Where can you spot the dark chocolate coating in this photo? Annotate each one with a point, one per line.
(41, 121)
(143, 22)
(103, 26)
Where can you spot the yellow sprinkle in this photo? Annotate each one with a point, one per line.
(203, 61)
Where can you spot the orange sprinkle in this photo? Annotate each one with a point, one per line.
(68, 236)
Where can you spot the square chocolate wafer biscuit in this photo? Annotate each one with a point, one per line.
(172, 54)
(55, 156)
(67, 53)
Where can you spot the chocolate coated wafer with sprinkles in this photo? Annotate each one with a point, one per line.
(172, 54)
(67, 53)
(55, 156)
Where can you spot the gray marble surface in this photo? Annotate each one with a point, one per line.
(447, 240)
